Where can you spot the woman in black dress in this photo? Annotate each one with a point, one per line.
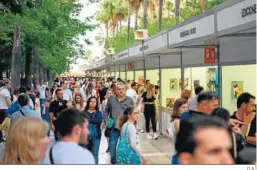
(150, 111)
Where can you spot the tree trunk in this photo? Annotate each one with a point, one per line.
(45, 75)
(136, 21)
(145, 14)
(117, 30)
(28, 61)
(41, 71)
(16, 58)
(204, 5)
(177, 10)
(107, 37)
(35, 72)
(113, 31)
(49, 78)
(120, 29)
(1, 74)
(160, 15)
(128, 31)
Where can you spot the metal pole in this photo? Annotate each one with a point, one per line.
(134, 72)
(182, 71)
(219, 88)
(144, 71)
(125, 72)
(119, 71)
(160, 96)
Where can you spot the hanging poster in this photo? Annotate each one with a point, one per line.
(236, 89)
(170, 102)
(186, 83)
(173, 84)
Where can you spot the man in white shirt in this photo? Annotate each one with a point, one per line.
(67, 94)
(72, 125)
(5, 101)
(192, 102)
(42, 90)
(131, 92)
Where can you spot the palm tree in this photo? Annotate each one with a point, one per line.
(160, 15)
(177, 10)
(104, 17)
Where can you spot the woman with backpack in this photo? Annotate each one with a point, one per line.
(95, 120)
(127, 149)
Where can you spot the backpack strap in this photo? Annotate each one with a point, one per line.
(51, 156)
(22, 113)
(126, 130)
(235, 145)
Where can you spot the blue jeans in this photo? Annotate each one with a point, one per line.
(113, 140)
(42, 101)
(95, 148)
(175, 160)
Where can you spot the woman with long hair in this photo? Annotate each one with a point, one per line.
(141, 120)
(27, 142)
(95, 120)
(90, 91)
(127, 148)
(180, 106)
(79, 102)
(150, 110)
(107, 96)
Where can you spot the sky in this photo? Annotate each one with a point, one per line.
(88, 10)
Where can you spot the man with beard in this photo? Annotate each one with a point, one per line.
(72, 125)
(115, 107)
(55, 107)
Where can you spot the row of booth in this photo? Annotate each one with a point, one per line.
(216, 50)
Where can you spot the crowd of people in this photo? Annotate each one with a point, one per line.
(80, 110)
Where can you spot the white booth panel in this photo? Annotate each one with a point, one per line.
(237, 49)
(152, 63)
(170, 61)
(193, 57)
(139, 65)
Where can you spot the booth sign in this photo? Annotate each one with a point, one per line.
(209, 55)
(130, 66)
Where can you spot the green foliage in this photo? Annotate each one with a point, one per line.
(51, 30)
(213, 3)
(189, 9)
(119, 43)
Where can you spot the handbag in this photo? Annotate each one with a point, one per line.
(92, 130)
(124, 154)
(110, 124)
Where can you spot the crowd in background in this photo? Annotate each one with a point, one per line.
(80, 110)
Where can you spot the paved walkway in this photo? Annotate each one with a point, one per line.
(155, 151)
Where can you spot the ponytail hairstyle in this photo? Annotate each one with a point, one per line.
(128, 111)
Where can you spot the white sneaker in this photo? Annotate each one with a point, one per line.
(155, 136)
(142, 131)
(149, 136)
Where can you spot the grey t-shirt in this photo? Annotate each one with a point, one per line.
(117, 107)
(69, 153)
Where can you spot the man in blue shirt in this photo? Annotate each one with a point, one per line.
(207, 101)
(15, 106)
(25, 111)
